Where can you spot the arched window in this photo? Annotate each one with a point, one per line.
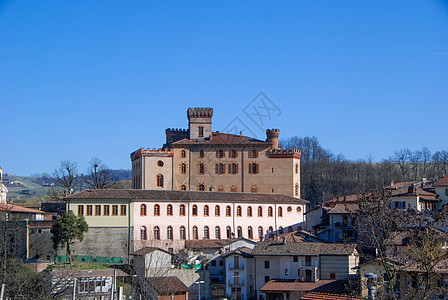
(183, 153)
(156, 210)
(182, 233)
(217, 232)
(160, 180)
(229, 232)
(260, 232)
(250, 234)
(233, 169)
(169, 232)
(143, 235)
(195, 210)
(206, 233)
(157, 233)
(239, 211)
(201, 187)
(280, 230)
(182, 210)
(183, 168)
(249, 211)
(183, 187)
(270, 229)
(240, 231)
(195, 233)
(201, 153)
(201, 168)
(143, 210)
(217, 211)
(169, 210)
(296, 189)
(289, 228)
(260, 211)
(228, 211)
(270, 213)
(280, 212)
(206, 211)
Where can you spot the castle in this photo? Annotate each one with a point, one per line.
(198, 159)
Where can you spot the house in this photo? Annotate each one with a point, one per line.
(441, 189)
(240, 269)
(151, 262)
(10, 212)
(199, 159)
(294, 257)
(167, 288)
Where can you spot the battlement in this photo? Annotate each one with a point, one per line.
(176, 130)
(280, 153)
(273, 132)
(272, 137)
(154, 152)
(199, 112)
(176, 134)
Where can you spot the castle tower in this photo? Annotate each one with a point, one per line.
(272, 137)
(200, 122)
(3, 189)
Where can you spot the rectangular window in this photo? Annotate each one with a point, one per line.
(114, 210)
(266, 264)
(89, 210)
(295, 258)
(201, 131)
(106, 210)
(97, 210)
(123, 210)
(266, 279)
(286, 272)
(332, 275)
(253, 154)
(446, 192)
(80, 210)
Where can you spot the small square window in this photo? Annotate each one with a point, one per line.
(332, 275)
(266, 264)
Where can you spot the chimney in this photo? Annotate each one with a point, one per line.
(272, 137)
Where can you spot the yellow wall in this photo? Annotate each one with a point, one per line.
(104, 220)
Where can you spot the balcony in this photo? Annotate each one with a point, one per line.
(311, 265)
(239, 266)
(235, 281)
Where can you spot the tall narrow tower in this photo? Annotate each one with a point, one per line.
(200, 122)
(3, 189)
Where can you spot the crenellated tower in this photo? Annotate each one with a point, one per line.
(200, 123)
(272, 137)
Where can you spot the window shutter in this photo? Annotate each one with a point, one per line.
(217, 153)
(257, 168)
(216, 168)
(250, 168)
(223, 168)
(236, 172)
(230, 169)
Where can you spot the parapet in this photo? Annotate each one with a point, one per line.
(151, 152)
(280, 153)
(198, 112)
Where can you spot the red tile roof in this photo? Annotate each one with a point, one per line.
(329, 286)
(219, 138)
(19, 209)
(443, 181)
(327, 296)
(167, 285)
(207, 244)
(146, 250)
(87, 273)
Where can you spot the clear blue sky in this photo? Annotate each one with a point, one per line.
(80, 79)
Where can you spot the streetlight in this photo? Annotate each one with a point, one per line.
(199, 282)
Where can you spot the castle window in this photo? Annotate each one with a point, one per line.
(270, 229)
(143, 233)
(182, 233)
(143, 210)
(182, 210)
(89, 210)
(156, 210)
(260, 232)
(183, 187)
(157, 233)
(260, 211)
(217, 211)
(217, 232)
(228, 211)
(229, 232)
(183, 168)
(206, 233)
(219, 153)
(254, 168)
(270, 213)
(253, 154)
(206, 211)
(296, 189)
(233, 168)
(105, 210)
(233, 153)
(219, 168)
(97, 210)
(201, 131)
(250, 234)
(80, 210)
(160, 180)
(280, 212)
(195, 210)
(297, 168)
(195, 233)
(201, 187)
(183, 153)
(280, 230)
(169, 210)
(201, 153)
(201, 169)
(239, 211)
(123, 210)
(160, 163)
(249, 211)
(169, 232)
(239, 231)
(114, 210)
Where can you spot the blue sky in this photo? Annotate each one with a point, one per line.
(80, 79)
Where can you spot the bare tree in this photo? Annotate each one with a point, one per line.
(67, 180)
(99, 175)
(401, 158)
